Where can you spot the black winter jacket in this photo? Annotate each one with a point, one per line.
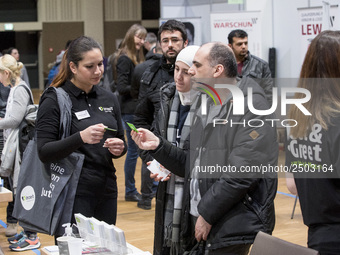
(154, 77)
(125, 68)
(258, 69)
(138, 73)
(237, 206)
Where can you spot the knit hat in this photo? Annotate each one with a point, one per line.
(187, 54)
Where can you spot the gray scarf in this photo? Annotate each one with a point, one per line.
(174, 192)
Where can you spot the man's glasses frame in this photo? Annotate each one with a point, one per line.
(173, 40)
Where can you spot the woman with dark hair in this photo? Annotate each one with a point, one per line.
(129, 55)
(314, 144)
(93, 110)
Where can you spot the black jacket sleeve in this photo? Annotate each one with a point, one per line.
(124, 69)
(144, 114)
(135, 83)
(171, 157)
(267, 83)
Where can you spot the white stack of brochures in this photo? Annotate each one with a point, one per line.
(100, 234)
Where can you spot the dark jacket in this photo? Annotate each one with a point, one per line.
(258, 69)
(237, 206)
(154, 77)
(150, 53)
(4, 92)
(139, 70)
(125, 68)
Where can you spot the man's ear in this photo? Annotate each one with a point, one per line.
(186, 43)
(73, 67)
(219, 70)
(230, 45)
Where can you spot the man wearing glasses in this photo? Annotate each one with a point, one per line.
(172, 37)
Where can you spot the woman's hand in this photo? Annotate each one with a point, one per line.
(115, 146)
(145, 139)
(93, 134)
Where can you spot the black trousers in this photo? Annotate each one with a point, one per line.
(10, 206)
(240, 249)
(102, 208)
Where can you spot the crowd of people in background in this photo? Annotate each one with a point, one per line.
(157, 83)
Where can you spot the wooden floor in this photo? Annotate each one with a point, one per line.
(138, 224)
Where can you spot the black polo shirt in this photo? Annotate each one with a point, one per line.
(98, 106)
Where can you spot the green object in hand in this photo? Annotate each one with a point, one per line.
(110, 129)
(132, 126)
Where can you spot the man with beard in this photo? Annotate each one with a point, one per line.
(172, 37)
(249, 65)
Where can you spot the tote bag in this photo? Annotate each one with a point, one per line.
(43, 190)
(46, 191)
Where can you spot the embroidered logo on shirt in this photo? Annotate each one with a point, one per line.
(105, 109)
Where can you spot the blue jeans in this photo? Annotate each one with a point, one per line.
(131, 158)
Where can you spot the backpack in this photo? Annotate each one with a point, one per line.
(27, 125)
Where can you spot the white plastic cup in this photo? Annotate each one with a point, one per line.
(75, 246)
(63, 245)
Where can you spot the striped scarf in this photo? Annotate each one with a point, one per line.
(174, 192)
